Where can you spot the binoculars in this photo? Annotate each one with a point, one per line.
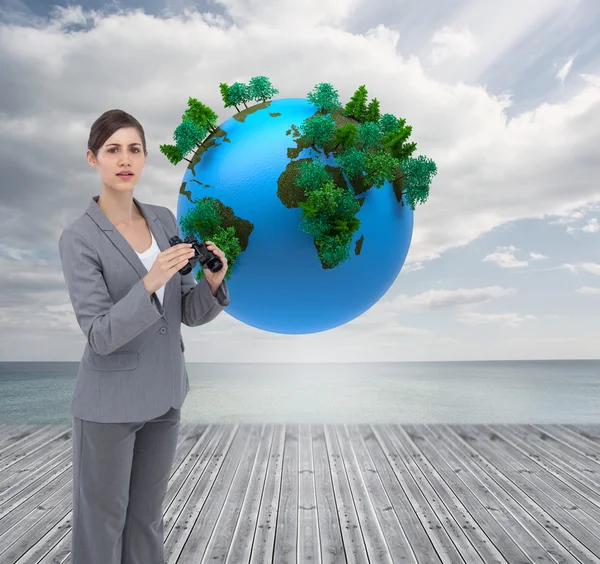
(206, 258)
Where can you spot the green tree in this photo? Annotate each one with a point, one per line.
(311, 175)
(200, 114)
(345, 225)
(202, 220)
(357, 106)
(324, 199)
(379, 167)
(325, 97)
(227, 241)
(260, 88)
(345, 136)
(368, 136)
(239, 93)
(395, 141)
(316, 226)
(172, 153)
(373, 112)
(225, 96)
(318, 130)
(189, 134)
(387, 123)
(333, 249)
(352, 162)
(348, 205)
(417, 177)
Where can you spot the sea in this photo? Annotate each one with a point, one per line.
(535, 391)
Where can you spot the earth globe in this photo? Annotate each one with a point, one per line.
(241, 190)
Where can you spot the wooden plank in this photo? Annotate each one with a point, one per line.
(354, 544)
(264, 533)
(309, 549)
(11, 434)
(198, 515)
(29, 444)
(220, 540)
(452, 520)
(539, 543)
(377, 548)
(285, 547)
(542, 452)
(398, 545)
(548, 480)
(28, 469)
(330, 533)
(535, 497)
(573, 446)
(402, 502)
(496, 521)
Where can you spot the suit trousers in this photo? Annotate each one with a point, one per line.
(121, 473)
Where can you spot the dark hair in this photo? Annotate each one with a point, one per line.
(109, 122)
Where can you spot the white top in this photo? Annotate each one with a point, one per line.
(148, 257)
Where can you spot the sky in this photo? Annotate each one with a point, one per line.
(505, 98)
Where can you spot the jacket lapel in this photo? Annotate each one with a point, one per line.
(123, 246)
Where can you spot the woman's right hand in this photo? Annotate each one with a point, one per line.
(167, 263)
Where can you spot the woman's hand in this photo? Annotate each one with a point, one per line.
(214, 279)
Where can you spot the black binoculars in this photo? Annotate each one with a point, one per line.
(206, 258)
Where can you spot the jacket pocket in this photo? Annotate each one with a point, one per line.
(118, 360)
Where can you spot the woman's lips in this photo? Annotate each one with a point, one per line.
(126, 176)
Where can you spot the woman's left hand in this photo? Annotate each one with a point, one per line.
(214, 279)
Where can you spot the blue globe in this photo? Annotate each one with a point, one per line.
(278, 282)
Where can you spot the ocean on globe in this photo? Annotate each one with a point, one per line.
(278, 283)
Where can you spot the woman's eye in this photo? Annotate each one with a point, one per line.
(135, 150)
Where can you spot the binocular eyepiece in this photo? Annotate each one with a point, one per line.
(206, 258)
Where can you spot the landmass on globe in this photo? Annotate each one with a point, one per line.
(352, 149)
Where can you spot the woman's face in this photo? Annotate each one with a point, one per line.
(122, 151)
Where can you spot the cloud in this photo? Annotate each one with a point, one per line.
(565, 69)
(437, 299)
(591, 267)
(504, 257)
(588, 290)
(591, 227)
(507, 319)
(450, 43)
(537, 256)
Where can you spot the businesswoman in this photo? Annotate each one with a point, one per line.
(129, 299)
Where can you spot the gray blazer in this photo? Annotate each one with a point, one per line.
(133, 365)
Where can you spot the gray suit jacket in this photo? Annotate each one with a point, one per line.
(133, 365)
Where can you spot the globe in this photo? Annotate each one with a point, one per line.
(278, 282)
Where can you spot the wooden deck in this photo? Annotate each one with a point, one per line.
(335, 493)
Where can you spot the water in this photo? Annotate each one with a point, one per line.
(551, 391)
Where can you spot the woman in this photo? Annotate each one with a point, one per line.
(129, 298)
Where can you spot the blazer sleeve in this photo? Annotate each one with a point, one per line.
(198, 305)
(106, 325)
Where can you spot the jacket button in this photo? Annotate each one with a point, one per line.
(163, 330)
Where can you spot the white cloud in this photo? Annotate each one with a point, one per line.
(588, 290)
(537, 256)
(504, 257)
(295, 13)
(591, 267)
(450, 43)
(590, 227)
(507, 319)
(436, 299)
(565, 69)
